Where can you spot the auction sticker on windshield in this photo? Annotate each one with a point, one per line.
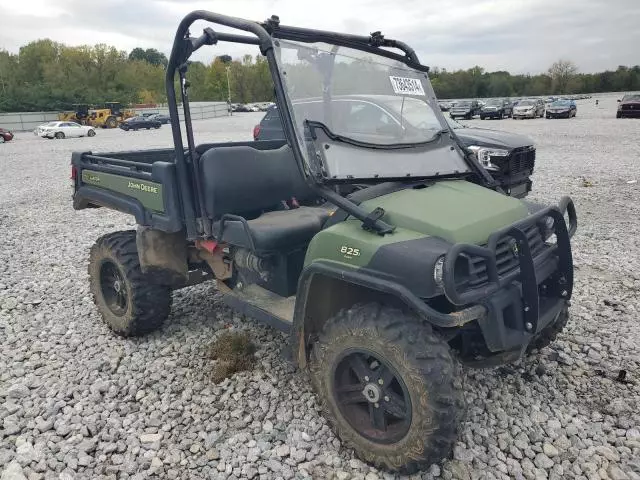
(406, 86)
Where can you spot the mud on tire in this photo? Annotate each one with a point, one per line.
(129, 304)
(426, 383)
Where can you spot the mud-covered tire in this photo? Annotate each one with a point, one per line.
(429, 378)
(549, 334)
(146, 305)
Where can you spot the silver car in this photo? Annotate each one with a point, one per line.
(530, 108)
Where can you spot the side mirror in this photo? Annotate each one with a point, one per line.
(619, 100)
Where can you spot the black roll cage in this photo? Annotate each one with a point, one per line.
(266, 34)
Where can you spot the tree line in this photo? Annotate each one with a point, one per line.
(561, 78)
(46, 75)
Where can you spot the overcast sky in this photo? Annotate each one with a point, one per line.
(522, 36)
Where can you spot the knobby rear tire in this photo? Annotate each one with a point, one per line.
(147, 304)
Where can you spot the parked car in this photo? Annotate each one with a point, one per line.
(508, 157)
(496, 108)
(5, 135)
(161, 117)
(136, 123)
(60, 130)
(465, 109)
(265, 106)
(629, 106)
(240, 107)
(444, 106)
(529, 108)
(562, 109)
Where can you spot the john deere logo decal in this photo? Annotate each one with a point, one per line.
(143, 187)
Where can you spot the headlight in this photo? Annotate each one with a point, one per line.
(484, 154)
(438, 271)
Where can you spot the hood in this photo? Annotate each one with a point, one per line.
(462, 108)
(455, 210)
(484, 137)
(524, 107)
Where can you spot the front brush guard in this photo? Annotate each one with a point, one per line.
(529, 265)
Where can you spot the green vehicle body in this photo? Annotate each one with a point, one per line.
(149, 194)
(456, 211)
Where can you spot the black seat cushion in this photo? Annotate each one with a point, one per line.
(257, 144)
(240, 179)
(275, 231)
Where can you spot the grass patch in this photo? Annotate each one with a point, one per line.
(233, 352)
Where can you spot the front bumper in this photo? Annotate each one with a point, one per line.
(635, 113)
(522, 300)
(564, 114)
(524, 114)
(518, 190)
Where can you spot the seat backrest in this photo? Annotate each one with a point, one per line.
(257, 144)
(240, 179)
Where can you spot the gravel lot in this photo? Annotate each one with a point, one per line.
(78, 402)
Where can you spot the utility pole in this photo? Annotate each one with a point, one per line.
(226, 60)
(228, 68)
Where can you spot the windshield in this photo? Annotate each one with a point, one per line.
(463, 104)
(369, 98)
(561, 103)
(364, 101)
(494, 101)
(628, 98)
(526, 103)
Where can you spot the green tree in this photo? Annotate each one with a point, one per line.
(150, 55)
(561, 73)
(46, 75)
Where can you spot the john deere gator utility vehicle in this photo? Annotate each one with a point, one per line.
(388, 254)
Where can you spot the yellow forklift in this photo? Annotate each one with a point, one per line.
(109, 116)
(79, 114)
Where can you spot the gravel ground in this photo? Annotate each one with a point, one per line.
(78, 402)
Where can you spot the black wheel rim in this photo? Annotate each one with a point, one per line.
(372, 397)
(113, 287)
